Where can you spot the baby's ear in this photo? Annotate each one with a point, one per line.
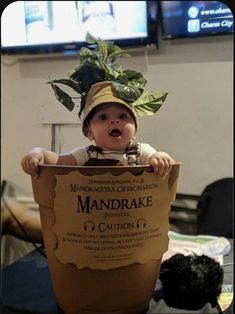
(86, 128)
(88, 133)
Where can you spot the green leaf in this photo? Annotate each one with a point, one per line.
(88, 75)
(84, 51)
(111, 71)
(125, 92)
(133, 80)
(116, 68)
(88, 57)
(82, 106)
(116, 53)
(123, 78)
(111, 47)
(63, 97)
(103, 49)
(136, 78)
(74, 85)
(90, 39)
(149, 103)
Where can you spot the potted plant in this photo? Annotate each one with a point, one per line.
(105, 229)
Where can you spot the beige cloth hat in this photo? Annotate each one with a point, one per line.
(101, 93)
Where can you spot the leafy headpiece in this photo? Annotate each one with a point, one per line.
(98, 64)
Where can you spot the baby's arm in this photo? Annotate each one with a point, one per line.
(39, 156)
(161, 163)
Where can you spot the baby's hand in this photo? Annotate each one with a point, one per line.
(31, 162)
(161, 163)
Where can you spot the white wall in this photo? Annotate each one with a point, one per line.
(194, 125)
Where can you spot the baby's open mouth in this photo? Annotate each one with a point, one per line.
(115, 133)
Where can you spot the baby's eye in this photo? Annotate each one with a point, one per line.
(102, 116)
(123, 116)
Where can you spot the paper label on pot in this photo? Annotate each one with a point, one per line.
(105, 221)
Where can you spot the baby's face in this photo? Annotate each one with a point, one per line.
(112, 127)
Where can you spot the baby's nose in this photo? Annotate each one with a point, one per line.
(114, 121)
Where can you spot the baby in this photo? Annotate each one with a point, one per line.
(112, 124)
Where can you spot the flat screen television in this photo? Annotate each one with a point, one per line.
(195, 18)
(35, 27)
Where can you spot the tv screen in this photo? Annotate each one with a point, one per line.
(195, 18)
(61, 26)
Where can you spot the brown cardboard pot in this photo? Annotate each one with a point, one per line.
(123, 290)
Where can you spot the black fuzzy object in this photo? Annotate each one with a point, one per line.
(189, 282)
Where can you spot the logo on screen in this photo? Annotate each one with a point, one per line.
(193, 12)
(193, 26)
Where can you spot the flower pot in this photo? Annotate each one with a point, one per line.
(83, 281)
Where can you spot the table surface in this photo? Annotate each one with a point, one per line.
(27, 288)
